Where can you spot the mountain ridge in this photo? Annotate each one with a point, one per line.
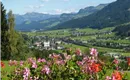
(58, 19)
(113, 14)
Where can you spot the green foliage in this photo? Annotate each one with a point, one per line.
(123, 30)
(68, 67)
(41, 53)
(5, 49)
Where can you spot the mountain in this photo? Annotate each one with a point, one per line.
(33, 16)
(38, 21)
(115, 13)
(37, 25)
(83, 12)
(90, 10)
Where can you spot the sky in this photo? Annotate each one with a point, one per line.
(50, 6)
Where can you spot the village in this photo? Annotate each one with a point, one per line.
(42, 42)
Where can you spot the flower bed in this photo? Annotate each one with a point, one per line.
(76, 66)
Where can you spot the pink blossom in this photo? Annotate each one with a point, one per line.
(67, 57)
(21, 63)
(26, 73)
(55, 56)
(45, 69)
(93, 52)
(78, 52)
(11, 63)
(41, 60)
(34, 65)
(31, 60)
(85, 59)
(92, 60)
(80, 63)
(60, 62)
(108, 78)
(116, 61)
(30, 78)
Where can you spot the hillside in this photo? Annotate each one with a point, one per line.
(32, 16)
(115, 13)
(123, 30)
(39, 21)
(37, 25)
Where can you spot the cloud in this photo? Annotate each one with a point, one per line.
(33, 8)
(60, 11)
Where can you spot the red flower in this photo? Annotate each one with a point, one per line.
(95, 67)
(2, 65)
(116, 76)
(128, 60)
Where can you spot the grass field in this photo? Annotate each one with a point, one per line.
(6, 70)
(67, 32)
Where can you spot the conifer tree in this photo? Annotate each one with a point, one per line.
(5, 49)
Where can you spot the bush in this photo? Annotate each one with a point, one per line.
(67, 67)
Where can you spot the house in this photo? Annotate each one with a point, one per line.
(38, 44)
(60, 47)
(58, 42)
(47, 44)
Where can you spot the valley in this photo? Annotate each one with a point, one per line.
(65, 40)
(105, 40)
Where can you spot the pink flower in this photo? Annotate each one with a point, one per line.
(41, 60)
(34, 65)
(45, 69)
(108, 78)
(80, 63)
(21, 63)
(55, 56)
(78, 52)
(26, 73)
(11, 63)
(31, 60)
(94, 52)
(60, 62)
(67, 57)
(115, 61)
(85, 59)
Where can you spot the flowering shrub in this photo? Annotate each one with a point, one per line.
(65, 66)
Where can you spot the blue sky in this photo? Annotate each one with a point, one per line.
(50, 6)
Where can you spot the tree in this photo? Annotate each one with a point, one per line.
(5, 49)
(16, 42)
(13, 36)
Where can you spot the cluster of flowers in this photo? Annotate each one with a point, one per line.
(63, 66)
(2, 64)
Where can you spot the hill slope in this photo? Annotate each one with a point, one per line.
(33, 16)
(44, 21)
(115, 13)
(123, 30)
